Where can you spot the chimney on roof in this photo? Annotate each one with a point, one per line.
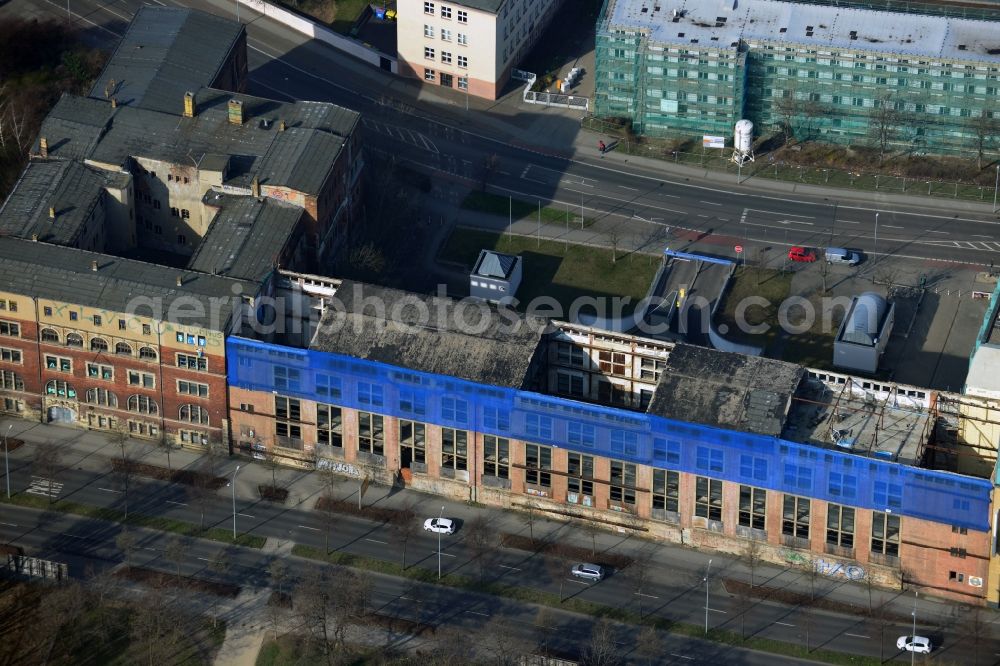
(34, 238)
(52, 212)
(281, 125)
(189, 105)
(93, 265)
(114, 102)
(236, 112)
(43, 147)
(180, 280)
(255, 187)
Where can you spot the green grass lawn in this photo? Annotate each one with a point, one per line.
(556, 270)
(484, 202)
(813, 347)
(348, 12)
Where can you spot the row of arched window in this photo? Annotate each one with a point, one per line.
(97, 344)
(140, 404)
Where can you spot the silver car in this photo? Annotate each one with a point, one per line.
(588, 571)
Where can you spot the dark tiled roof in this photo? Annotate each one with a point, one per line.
(387, 325)
(166, 52)
(492, 6)
(74, 126)
(72, 189)
(246, 237)
(724, 389)
(300, 158)
(121, 285)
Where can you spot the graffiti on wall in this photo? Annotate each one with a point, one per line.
(338, 467)
(825, 567)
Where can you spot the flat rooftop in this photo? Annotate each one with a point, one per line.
(462, 339)
(735, 391)
(704, 24)
(833, 417)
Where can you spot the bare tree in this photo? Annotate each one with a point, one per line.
(976, 629)
(530, 518)
(164, 444)
(326, 602)
(272, 462)
(592, 530)
(175, 552)
(404, 528)
(122, 467)
(753, 553)
(543, 626)
(786, 109)
(156, 627)
(824, 272)
(200, 492)
(278, 573)
(813, 575)
(614, 240)
(47, 464)
(481, 541)
(744, 604)
(805, 618)
(881, 618)
(219, 564)
(126, 543)
(888, 274)
(556, 567)
(868, 580)
(985, 132)
(649, 646)
(883, 125)
(603, 649)
(490, 165)
(499, 639)
(638, 574)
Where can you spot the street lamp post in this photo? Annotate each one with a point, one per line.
(233, 484)
(439, 543)
(6, 459)
(706, 595)
(875, 250)
(996, 186)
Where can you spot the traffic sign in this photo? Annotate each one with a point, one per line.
(739, 249)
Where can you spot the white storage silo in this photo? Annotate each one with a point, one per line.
(743, 142)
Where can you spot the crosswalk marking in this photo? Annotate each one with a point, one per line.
(46, 487)
(403, 134)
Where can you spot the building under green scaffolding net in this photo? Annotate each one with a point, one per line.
(847, 72)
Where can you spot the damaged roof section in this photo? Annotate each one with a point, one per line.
(724, 389)
(467, 340)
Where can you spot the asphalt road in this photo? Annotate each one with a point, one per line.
(674, 595)
(629, 197)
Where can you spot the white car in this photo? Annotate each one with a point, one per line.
(920, 644)
(588, 571)
(440, 525)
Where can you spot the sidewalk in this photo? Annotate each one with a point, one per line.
(679, 565)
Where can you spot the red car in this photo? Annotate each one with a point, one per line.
(802, 254)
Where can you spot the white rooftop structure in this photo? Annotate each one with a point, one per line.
(722, 24)
(984, 373)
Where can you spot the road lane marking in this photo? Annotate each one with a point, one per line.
(711, 203)
(9, 524)
(681, 656)
(306, 527)
(856, 635)
(785, 624)
(979, 236)
(771, 212)
(716, 610)
(443, 554)
(892, 226)
(626, 187)
(177, 503)
(477, 613)
(109, 490)
(204, 559)
(935, 231)
(700, 215)
(384, 543)
(244, 515)
(578, 582)
(74, 536)
(648, 596)
(848, 222)
(505, 566)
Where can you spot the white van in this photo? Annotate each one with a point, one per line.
(840, 255)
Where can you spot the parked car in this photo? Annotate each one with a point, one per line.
(588, 571)
(440, 525)
(802, 254)
(919, 644)
(841, 255)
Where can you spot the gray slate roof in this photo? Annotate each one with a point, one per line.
(246, 237)
(746, 393)
(74, 190)
(395, 333)
(300, 157)
(65, 274)
(492, 6)
(494, 264)
(165, 52)
(73, 127)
